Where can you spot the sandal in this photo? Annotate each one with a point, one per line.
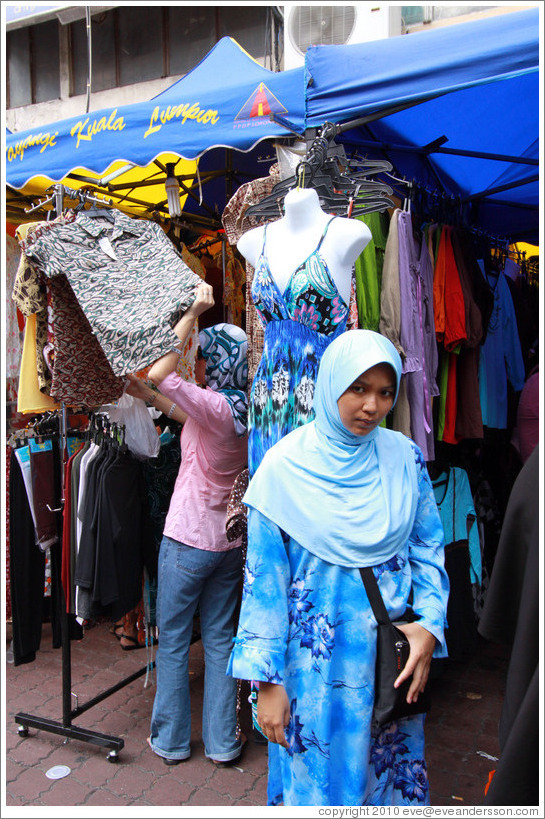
(117, 630)
(219, 763)
(134, 640)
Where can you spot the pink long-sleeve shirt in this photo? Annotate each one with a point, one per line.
(212, 457)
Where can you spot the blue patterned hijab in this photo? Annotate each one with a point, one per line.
(225, 346)
(349, 499)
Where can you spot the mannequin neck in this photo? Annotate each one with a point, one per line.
(302, 207)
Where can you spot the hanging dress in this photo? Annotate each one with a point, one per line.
(299, 324)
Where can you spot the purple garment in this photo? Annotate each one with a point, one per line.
(418, 333)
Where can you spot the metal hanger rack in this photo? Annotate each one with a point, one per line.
(345, 186)
(65, 727)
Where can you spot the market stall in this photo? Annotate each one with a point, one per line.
(434, 108)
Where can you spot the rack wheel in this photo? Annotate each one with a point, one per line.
(113, 756)
(22, 730)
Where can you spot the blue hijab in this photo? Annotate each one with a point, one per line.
(349, 499)
(225, 346)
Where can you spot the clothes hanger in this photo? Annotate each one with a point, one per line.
(95, 212)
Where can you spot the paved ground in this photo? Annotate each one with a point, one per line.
(461, 735)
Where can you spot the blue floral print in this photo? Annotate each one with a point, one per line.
(298, 602)
(308, 624)
(319, 636)
(293, 732)
(388, 745)
(412, 779)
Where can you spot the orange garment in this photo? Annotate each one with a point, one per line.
(448, 296)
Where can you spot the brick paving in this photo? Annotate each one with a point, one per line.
(461, 728)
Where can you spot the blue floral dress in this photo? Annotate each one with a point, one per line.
(299, 324)
(307, 624)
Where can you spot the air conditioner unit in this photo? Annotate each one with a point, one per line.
(335, 25)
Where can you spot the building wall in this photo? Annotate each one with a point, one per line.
(188, 33)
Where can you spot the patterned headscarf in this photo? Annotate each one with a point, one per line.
(224, 346)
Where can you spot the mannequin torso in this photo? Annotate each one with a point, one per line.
(293, 237)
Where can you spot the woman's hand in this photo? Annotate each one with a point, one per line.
(204, 300)
(422, 644)
(273, 712)
(138, 388)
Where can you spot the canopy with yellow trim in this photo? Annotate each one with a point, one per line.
(228, 101)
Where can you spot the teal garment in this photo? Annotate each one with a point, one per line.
(299, 323)
(307, 624)
(368, 270)
(457, 510)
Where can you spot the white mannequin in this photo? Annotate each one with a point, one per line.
(293, 237)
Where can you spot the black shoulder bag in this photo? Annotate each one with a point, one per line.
(392, 654)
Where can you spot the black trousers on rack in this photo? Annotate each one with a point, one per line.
(27, 574)
(27, 571)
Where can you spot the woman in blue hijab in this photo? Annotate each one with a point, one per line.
(340, 492)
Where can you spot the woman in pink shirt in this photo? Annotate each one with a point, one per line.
(198, 566)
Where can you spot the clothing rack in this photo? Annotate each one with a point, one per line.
(65, 727)
(58, 194)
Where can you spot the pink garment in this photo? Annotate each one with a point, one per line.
(212, 457)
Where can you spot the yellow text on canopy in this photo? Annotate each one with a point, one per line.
(184, 111)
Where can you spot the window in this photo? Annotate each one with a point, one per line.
(191, 35)
(33, 71)
(247, 25)
(130, 44)
(416, 15)
(140, 44)
(104, 62)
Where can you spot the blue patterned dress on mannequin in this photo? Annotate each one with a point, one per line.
(299, 324)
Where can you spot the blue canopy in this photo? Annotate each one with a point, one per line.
(454, 108)
(226, 100)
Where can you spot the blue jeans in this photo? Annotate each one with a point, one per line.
(188, 577)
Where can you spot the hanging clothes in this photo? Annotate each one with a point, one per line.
(390, 318)
(13, 337)
(30, 295)
(448, 297)
(45, 489)
(417, 333)
(27, 571)
(30, 400)
(368, 270)
(82, 375)
(129, 279)
(68, 528)
(116, 532)
(501, 356)
(463, 557)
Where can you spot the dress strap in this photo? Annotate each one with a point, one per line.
(325, 231)
(264, 240)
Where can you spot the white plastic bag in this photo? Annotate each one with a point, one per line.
(141, 436)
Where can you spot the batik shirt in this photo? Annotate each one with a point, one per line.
(130, 281)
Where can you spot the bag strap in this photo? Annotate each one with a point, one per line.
(374, 595)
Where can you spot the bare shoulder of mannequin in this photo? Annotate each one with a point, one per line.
(347, 238)
(250, 244)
